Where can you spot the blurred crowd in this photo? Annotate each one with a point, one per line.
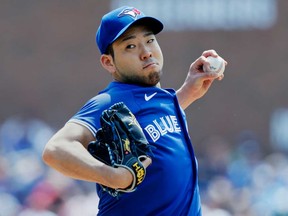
(241, 180)
(236, 179)
(27, 186)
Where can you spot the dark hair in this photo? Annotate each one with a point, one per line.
(110, 51)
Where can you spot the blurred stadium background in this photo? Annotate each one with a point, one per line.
(50, 67)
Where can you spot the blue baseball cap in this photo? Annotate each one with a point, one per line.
(116, 22)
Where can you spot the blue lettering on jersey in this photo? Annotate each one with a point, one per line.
(162, 126)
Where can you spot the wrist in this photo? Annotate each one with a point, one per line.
(124, 177)
(119, 177)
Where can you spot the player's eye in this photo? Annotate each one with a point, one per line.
(130, 46)
(150, 40)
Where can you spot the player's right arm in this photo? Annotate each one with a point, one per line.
(67, 153)
(197, 83)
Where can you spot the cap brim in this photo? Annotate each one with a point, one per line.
(155, 25)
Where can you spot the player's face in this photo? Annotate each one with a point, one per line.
(137, 57)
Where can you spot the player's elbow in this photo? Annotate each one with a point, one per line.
(49, 153)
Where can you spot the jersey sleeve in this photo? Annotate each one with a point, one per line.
(89, 115)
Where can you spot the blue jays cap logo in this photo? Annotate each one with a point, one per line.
(132, 12)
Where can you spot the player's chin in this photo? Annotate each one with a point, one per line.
(154, 78)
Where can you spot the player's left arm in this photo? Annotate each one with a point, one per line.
(197, 83)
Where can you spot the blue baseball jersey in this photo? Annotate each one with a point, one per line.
(170, 186)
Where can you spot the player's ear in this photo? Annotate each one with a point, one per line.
(108, 63)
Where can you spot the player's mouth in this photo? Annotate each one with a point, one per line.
(151, 64)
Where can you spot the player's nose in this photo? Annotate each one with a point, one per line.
(145, 53)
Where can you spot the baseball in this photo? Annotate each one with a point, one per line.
(217, 65)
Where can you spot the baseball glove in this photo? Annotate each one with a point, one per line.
(120, 142)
